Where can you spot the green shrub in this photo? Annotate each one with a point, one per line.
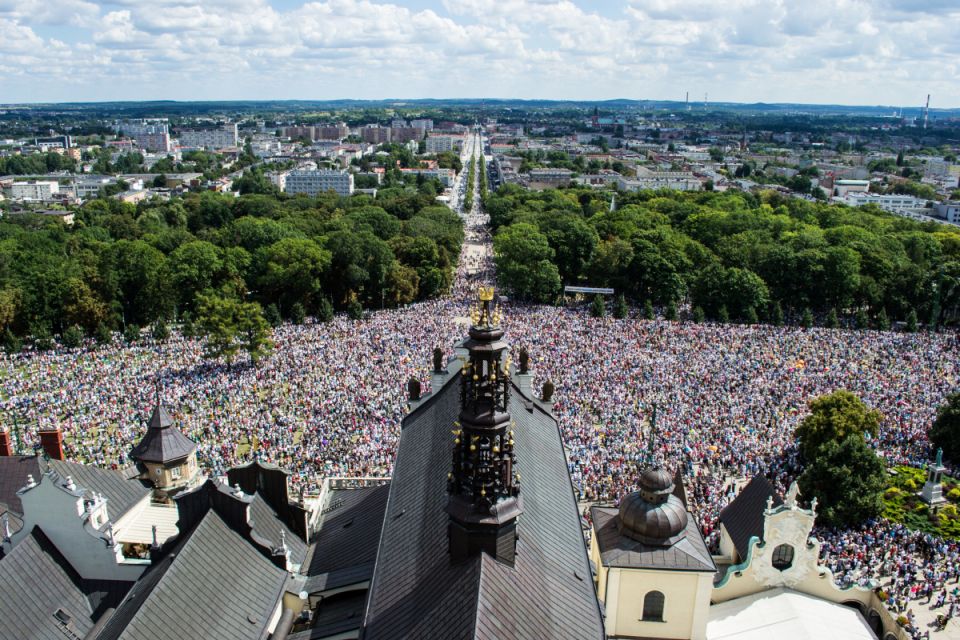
(598, 308)
(620, 310)
(325, 310)
(160, 331)
(355, 310)
(297, 313)
(272, 315)
(671, 312)
(72, 337)
(131, 333)
(648, 312)
(102, 334)
(11, 343)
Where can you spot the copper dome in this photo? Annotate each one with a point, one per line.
(657, 481)
(654, 523)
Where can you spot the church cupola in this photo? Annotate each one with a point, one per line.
(483, 486)
(653, 514)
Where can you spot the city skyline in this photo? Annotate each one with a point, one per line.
(857, 52)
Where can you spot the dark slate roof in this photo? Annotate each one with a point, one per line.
(13, 477)
(417, 593)
(160, 418)
(214, 585)
(616, 550)
(335, 615)
(743, 518)
(35, 582)
(345, 546)
(164, 442)
(267, 525)
(120, 489)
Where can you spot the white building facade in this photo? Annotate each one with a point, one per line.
(312, 182)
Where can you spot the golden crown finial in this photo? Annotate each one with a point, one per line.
(486, 294)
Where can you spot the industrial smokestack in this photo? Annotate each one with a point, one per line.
(926, 111)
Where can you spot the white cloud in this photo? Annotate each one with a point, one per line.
(770, 50)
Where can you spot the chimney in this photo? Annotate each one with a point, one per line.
(52, 442)
(6, 443)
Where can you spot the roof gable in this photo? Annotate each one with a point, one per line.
(743, 518)
(120, 489)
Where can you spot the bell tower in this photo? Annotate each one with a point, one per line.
(483, 485)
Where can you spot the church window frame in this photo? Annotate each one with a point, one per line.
(653, 605)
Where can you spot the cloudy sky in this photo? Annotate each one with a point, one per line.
(890, 52)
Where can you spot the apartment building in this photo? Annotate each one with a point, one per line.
(312, 182)
(375, 134)
(425, 124)
(149, 134)
(225, 136)
(34, 190)
(949, 211)
(445, 176)
(337, 131)
(440, 144)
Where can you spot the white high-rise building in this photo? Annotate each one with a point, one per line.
(34, 190)
(312, 182)
(439, 144)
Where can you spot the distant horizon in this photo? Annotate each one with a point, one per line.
(695, 105)
(857, 52)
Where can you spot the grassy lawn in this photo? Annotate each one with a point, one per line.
(902, 504)
(243, 447)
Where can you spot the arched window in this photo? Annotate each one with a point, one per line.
(783, 557)
(653, 607)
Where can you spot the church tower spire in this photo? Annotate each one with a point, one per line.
(483, 486)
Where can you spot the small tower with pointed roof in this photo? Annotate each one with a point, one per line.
(167, 459)
(484, 487)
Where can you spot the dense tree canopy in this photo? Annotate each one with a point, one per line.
(842, 471)
(749, 254)
(848, 480)
(123, 264)
(945, 431)
(834, 418)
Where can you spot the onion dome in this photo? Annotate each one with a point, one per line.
(652, 514)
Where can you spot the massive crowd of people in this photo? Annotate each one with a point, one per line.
(329, 401)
